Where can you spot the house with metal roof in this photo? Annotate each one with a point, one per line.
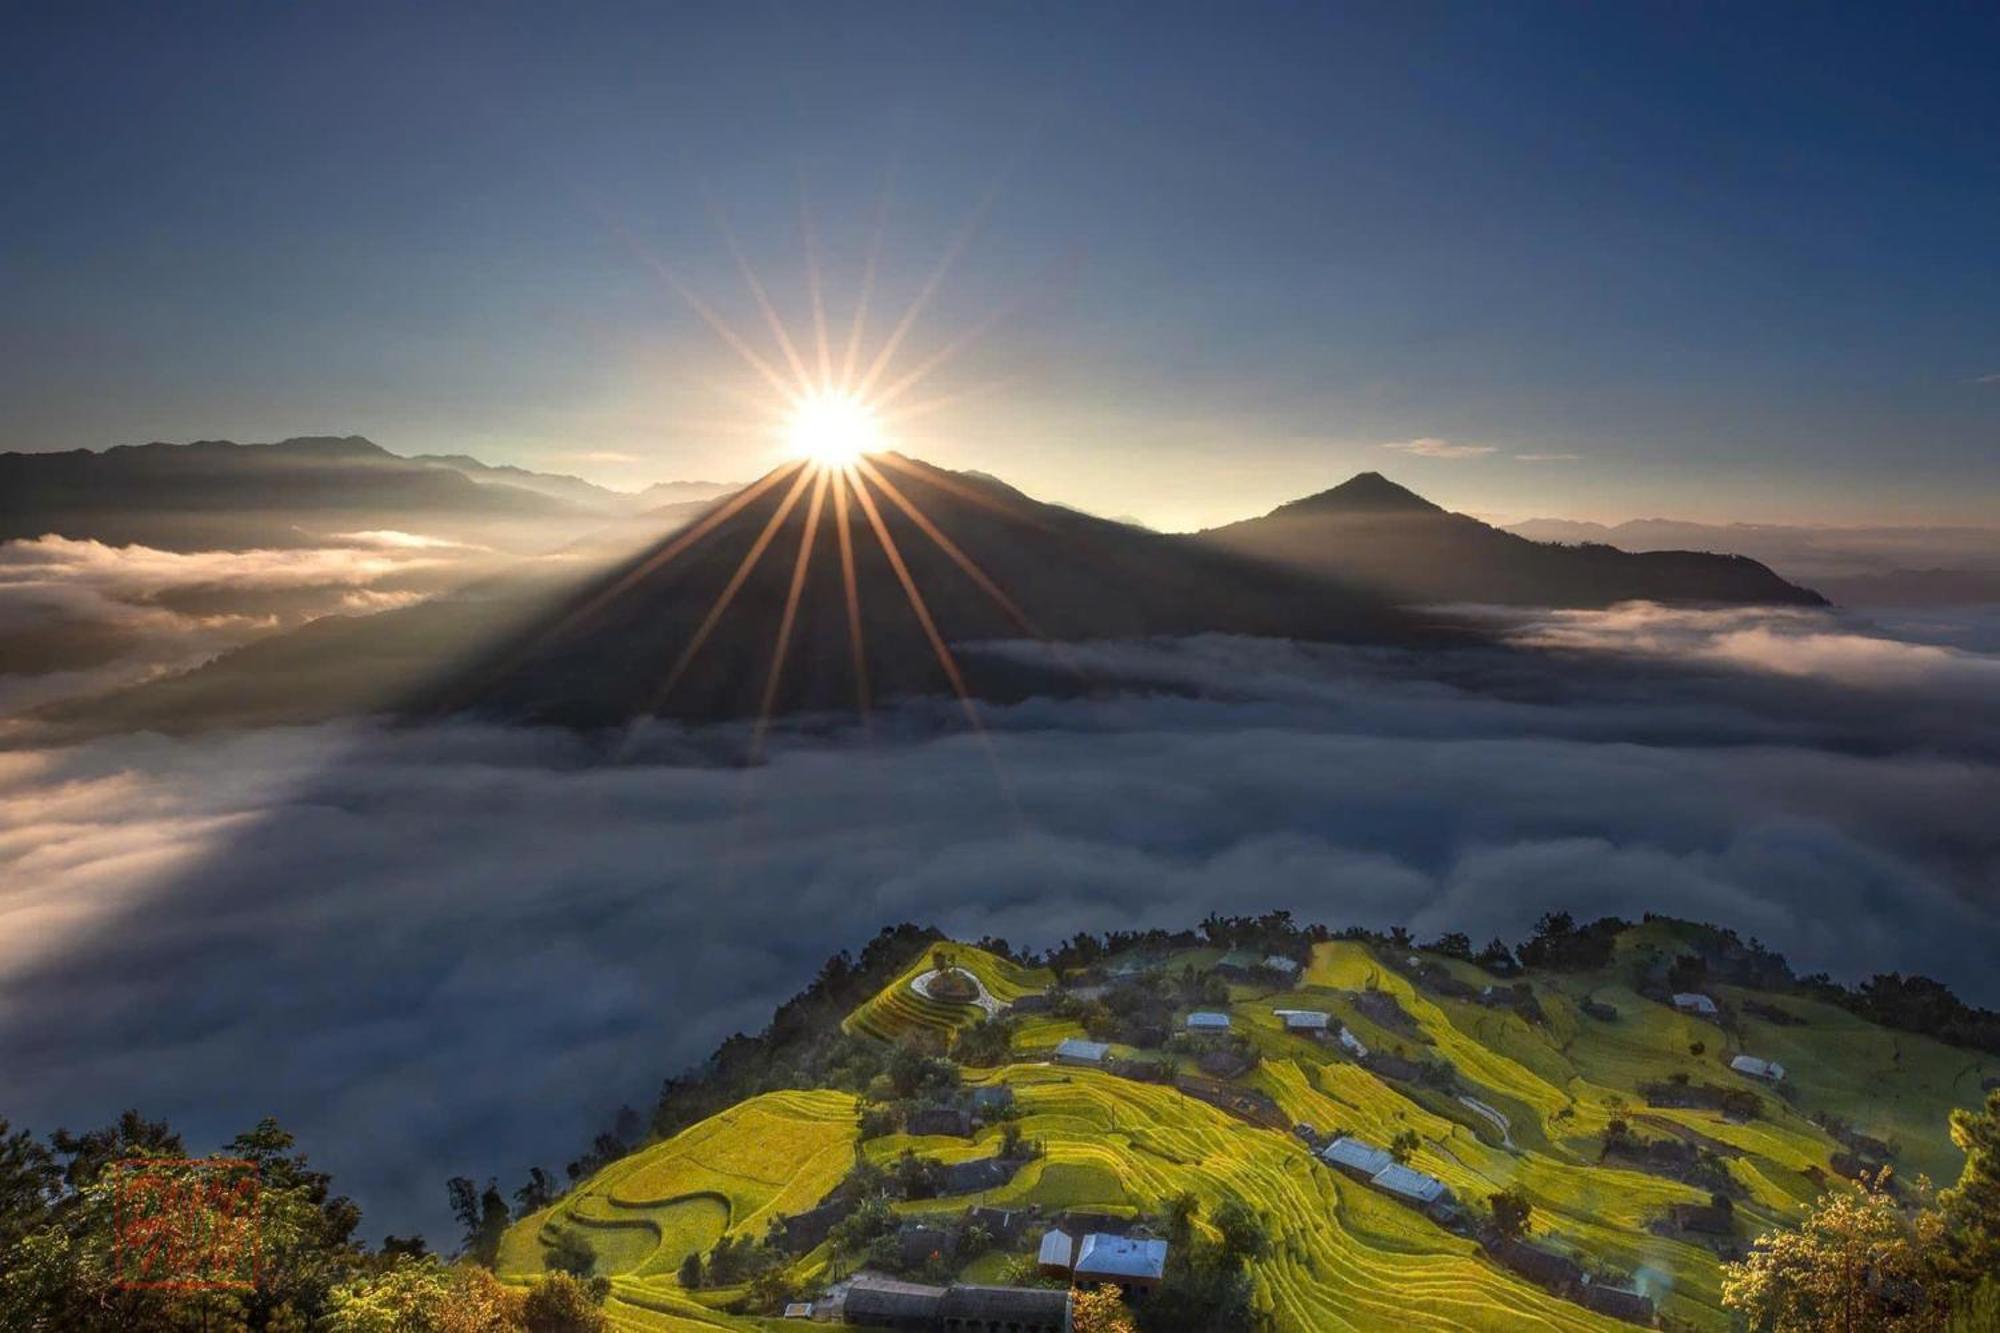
(1305, 1020)
(1207, 1020)
(1694, 1002)
(1077, 1051)
(1356, 1157)
(1130, 1263)
(968, 1307)
(1282, 965)
(1352, 1044)
(1404, 1183)
(1057, 1255)
(1768, 1070)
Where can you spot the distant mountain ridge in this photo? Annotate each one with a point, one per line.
(216, 494)
(1375, 534)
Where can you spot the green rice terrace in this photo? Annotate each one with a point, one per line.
(1364, 1098)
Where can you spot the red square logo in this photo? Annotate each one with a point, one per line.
(185, 1224)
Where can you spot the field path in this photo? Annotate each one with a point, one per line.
(1500, 1122)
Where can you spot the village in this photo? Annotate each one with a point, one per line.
(1148, 1119)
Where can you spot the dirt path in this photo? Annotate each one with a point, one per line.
(1499, 1122)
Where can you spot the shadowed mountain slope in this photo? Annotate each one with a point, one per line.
(1373, 533)
(689, 627)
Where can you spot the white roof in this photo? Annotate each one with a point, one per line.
(1353, 1044)
(1076, 1048)
(1207, 1018)
(1121, 1256)
(1278, 962)
(1693, 1000)
(1755, 1068)
(1399, 1179)
(1057, 1247)
(1356, 1155)
(1313, 1020)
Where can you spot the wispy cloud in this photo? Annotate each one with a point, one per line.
(1431, 448)
(1548, 458)
(1993, 378)
(600, 456)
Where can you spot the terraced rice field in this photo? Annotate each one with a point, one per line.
(898, 1011)
(731, 1174)
(1345, 1256)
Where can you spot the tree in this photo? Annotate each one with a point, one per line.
(1511, 1211)
(1243, 1235)
(29, 1183)
(560, 1303)
(571, 1254)
(690, 1273)
(424, 1296)
(1404, 1145)
(482, 1215)
(1858, 1262)
(1972, 1206)
(540, 1191)
(1101, 1311)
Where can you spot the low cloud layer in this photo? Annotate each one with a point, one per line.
(456, 950)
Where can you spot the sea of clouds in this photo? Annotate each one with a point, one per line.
(458, 949)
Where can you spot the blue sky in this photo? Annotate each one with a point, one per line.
(1713, 262)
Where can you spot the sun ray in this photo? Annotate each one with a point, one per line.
(730, 589)
(859, 326)
(945, 481)
(929, 290)
(758, 293)
(924, 407)
(916, 596)
(810, 234)
(784, 640)
(951, 549)
(715, 322)
(853, 592)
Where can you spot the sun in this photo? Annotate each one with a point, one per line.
(833, 429)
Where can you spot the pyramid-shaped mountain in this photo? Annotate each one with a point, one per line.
(1371, 533)
(688, 627)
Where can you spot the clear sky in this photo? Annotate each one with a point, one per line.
(1601, 261)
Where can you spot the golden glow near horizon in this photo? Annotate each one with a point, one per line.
(832, 429)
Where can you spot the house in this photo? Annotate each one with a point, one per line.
(1693, 1002)
(807, 1230)
(916, 1243)
(1057, 1255)
(878, 1302)
(1414, 1186)
(981, 1173)
(1226, 1063)
(1705, 1218)
(1207, 1020)
(966, 1307)
(1005, 1225)
(1238, 964)
(1305, 1020)
(1600, 1011)
(947, 1121)
(1129, 1263)
(1283, 966)
(997, 1097)
(1545, 1269)
(1077, 1051)
(1038, 1003)
(1768, 1070)
(1352, 1045)
(799, 1310)
(1358, 1159)
(1618, 1303)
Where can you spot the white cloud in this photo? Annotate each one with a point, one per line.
(1993, 378)
(1430, 448)
(1548, 458)
(455, 950)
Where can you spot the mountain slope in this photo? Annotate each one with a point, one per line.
(631, 641)
(215, 494)
(1378, 535)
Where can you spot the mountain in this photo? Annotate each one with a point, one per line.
(215, 494)
(603, 649)
(555, 485)
(1375, 534)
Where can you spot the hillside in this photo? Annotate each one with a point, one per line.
(1375, 534)
(687, 627)
(1616, 1114)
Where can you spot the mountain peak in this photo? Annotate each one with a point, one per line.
(1366, 493)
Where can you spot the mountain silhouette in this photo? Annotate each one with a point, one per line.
(1372, 533)
(637, 639)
